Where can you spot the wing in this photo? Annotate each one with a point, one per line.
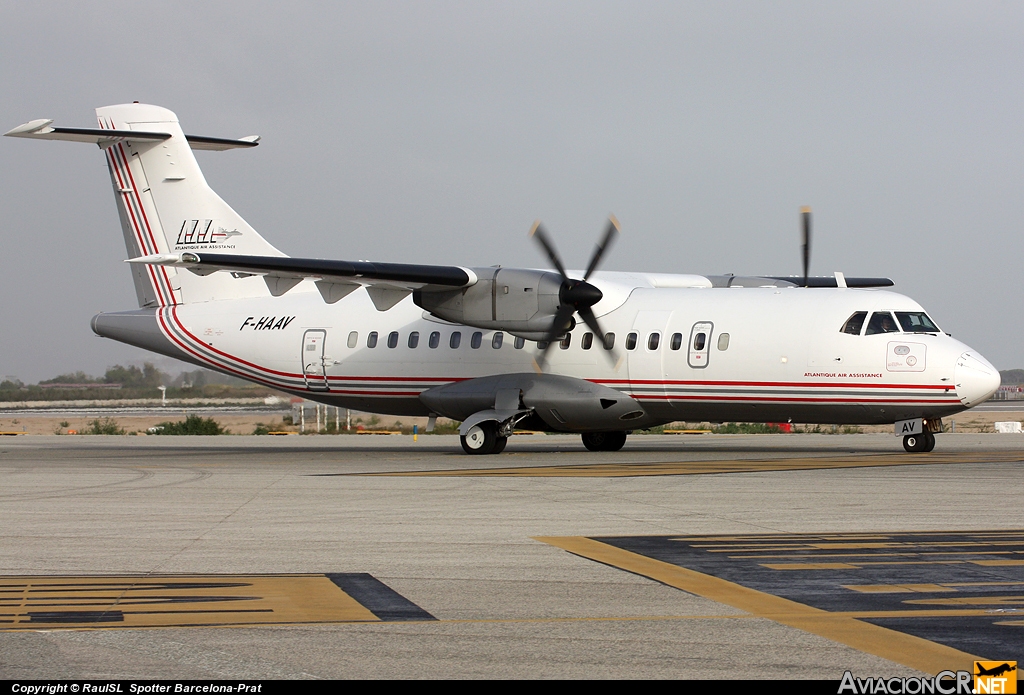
(386, 283)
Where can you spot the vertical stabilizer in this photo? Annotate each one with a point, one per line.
(166, 206)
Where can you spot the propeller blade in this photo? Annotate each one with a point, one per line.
(574, 296)
(610, 234)
(538, 233)
(587, 314)
(805, 216)
(560, 325)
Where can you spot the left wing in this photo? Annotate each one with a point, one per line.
(386, 283)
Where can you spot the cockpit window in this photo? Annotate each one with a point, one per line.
(854, 323)
(881, 322)
(916, 322)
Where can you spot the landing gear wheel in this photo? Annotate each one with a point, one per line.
(604, 441)
(917, 443)
(483, 439)
(929, 441)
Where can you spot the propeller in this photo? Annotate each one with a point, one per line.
(575, 296)
(805, 218)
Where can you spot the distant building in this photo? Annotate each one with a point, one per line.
(1009, 392)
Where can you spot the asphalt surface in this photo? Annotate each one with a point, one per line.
(377, 556)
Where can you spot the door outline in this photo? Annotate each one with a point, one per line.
(314, 369)
(698, 359)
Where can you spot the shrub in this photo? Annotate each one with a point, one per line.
(193, 424)
(746, 428)
(104, 426)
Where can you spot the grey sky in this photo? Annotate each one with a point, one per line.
(437, 132)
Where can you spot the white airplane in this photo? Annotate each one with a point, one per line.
(499, 348)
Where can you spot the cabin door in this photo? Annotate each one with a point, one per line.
(314, 371)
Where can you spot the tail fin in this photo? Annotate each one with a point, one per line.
(164, 202)
(166, 206)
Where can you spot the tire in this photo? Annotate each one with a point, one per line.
(499, 445)
(481, 439)
(603, 441)
(915, 443)
(929, 441)
(593, 440)
(614, 441)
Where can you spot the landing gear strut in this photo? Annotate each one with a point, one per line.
(604, 441)
(915, 443)
(483, 439)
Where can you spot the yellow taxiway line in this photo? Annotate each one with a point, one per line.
(627, 470)
(908, 650)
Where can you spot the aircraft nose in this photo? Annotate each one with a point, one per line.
(976, 379)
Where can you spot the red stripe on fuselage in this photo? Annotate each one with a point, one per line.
(782, 384)
(779, 399)
(203, 358)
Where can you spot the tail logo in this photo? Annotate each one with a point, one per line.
(199, 234)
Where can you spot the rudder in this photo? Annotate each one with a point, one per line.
(166, 206)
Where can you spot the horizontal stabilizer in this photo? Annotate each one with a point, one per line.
(42, 130)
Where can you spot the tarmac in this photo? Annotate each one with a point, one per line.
(711, 556)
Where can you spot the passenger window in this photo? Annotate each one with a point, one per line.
(723, 341)
(475, 341)
(699, 341)
(455, 340)
(653, 340)
(588, 341)
(434, 340)
(916, 322)
(565, 342)
(353, 338)
(855, 323)
(414, 339)
(677, 341)
(371, 339)
(631, 341)
(520, 342)
(393, 339)
(542, 345)
(497, 340)
(609, 341)
(881, 322)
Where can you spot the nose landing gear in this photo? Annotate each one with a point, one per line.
(916, 443)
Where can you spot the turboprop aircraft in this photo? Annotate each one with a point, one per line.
(498, 348)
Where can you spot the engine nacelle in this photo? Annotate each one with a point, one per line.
(519, 301)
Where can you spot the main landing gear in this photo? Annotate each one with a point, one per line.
(915, 443)
(483, 439)
(604, 441)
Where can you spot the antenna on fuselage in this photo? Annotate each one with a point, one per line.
(805, 219)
